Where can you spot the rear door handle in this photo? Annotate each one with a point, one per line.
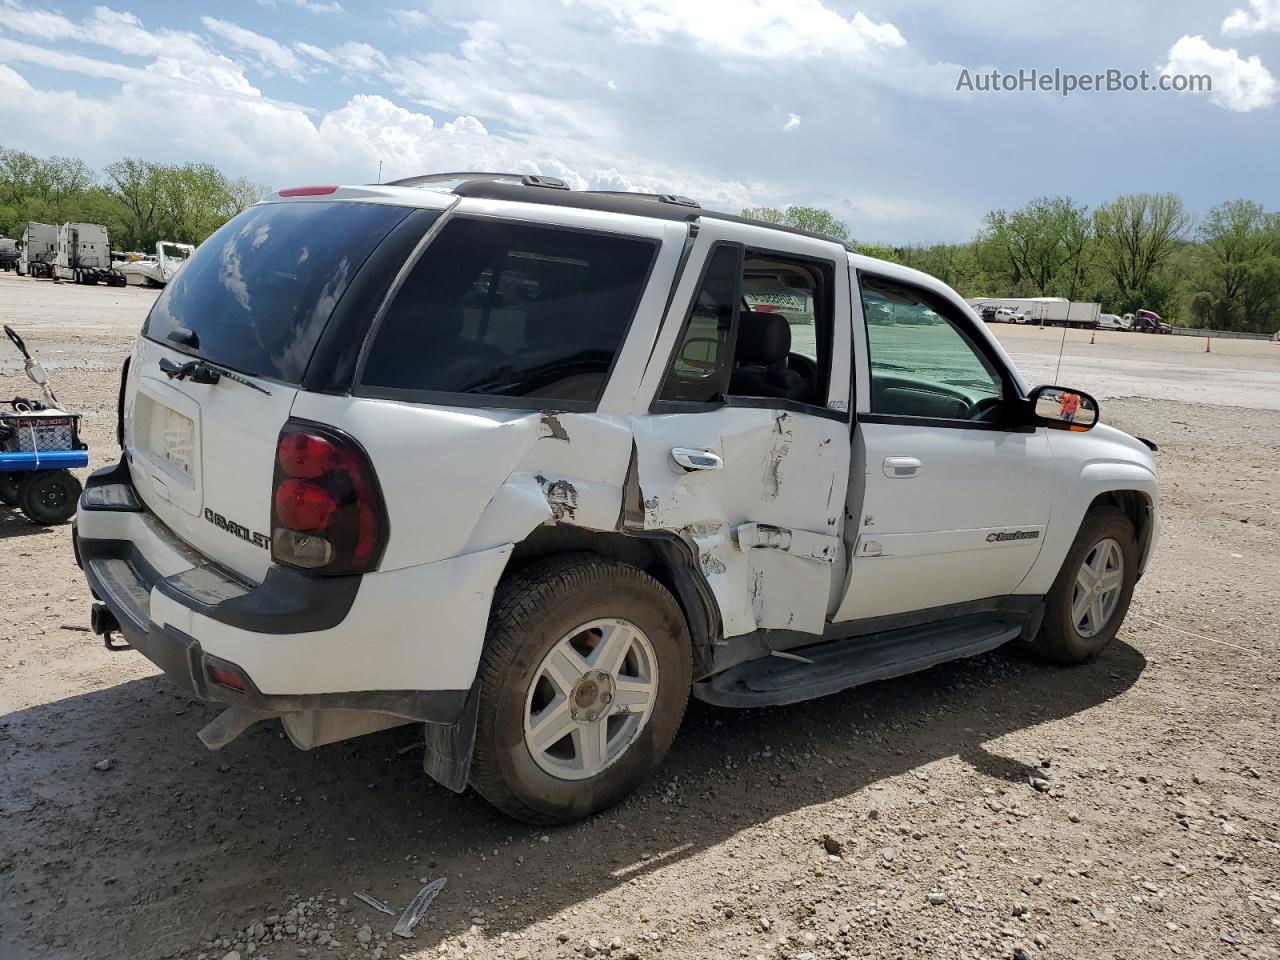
(901, 468)
(692, 459)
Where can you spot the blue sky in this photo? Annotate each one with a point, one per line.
(852, 106)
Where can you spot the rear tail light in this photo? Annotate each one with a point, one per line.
(327, 513)
(224, 677)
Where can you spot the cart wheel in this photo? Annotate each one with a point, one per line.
(9, 484)
(49, 496)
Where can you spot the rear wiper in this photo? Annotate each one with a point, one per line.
(202, 371)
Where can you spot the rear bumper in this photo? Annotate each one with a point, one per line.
(403, 642)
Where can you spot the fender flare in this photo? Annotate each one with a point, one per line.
(1095, 480)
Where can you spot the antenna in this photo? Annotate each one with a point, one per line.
(1066, 325)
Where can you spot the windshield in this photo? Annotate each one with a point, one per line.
(258, 293)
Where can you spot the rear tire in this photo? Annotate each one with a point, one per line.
(49, 496)
(555, 631)
(9, 484)
(1088, 601)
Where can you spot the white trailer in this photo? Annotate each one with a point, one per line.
(39, 250)
(84, 255)
(1047, 311)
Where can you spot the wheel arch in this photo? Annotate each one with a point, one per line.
(1130, 487)
(1137, 505)
(664, 556)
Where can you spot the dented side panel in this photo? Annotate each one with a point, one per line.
(766, 526)
(469, 479)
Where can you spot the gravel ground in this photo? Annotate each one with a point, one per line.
(995, 807)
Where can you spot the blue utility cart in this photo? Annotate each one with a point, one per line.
(39, 445)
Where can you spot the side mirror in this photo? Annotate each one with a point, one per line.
(1062, 408)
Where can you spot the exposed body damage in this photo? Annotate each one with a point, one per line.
(767, 526)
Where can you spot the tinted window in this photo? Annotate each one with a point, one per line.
(924, 363)
(503, 309)
(700, 369)
(259, 291)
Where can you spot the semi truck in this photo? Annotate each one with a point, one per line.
(84, 255)
(39, 250)
(1045, 311)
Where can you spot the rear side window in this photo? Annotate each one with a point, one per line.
(258, 293)
(511, 310)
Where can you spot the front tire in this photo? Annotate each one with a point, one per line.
(584, 680)
(49, 496)
(1090, 597)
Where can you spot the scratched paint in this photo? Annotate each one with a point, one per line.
(777, 455)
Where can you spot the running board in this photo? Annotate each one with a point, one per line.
(840, 664)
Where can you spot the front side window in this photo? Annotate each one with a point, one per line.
(503, 309)
(924, 363)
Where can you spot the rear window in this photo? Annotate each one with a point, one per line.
(501, 309)
(259, 292)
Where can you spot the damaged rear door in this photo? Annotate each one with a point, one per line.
(743, 445)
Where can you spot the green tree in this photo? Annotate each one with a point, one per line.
(813, 219)
(136, 185)
(1044, 246)
(1237, 239)
(1134, 237)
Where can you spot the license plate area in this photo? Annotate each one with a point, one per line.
(166, 438)
(173, 439)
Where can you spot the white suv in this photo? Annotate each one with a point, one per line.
(524, 465)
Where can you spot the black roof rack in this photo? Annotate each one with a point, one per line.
(535, 188)
(636, 204)
(426, 178)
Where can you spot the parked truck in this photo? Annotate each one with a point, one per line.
(1045, 311)
(39, 250)
(84, 255)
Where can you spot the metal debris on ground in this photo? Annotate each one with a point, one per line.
(417, 907)
(376, 904)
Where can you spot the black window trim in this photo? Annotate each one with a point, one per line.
(481, 401)
(1012, 393)
(740, 250)
(822, 410)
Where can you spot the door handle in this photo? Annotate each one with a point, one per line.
(901, 468)
(692, 459)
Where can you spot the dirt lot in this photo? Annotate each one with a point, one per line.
(1159, 834)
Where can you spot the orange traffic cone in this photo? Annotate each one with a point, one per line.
(1093, 333)
(1206, 345)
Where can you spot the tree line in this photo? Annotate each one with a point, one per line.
(1136, 251)
(138, 201)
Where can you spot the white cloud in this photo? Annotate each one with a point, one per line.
(760, 29)
(352, 57)
(1239, 84)
(36, 23)
(51, 111)
(793, 121)
(272, 55)
(1262, 16)
(408, 19)
(310, 6)
(493, 77)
